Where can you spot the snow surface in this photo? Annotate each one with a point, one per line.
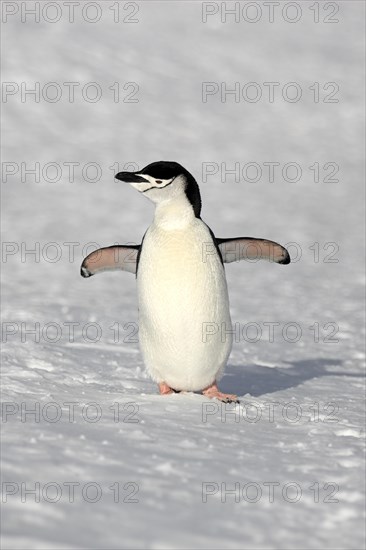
(174, 448)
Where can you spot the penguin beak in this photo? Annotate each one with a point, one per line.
(134, 179)
(130, 177)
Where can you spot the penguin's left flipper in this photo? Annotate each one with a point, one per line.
(111, 258)
(248, 248)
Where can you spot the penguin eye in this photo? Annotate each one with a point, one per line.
(158, 181)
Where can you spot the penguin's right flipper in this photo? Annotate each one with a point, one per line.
(250, 248)
(111, 258)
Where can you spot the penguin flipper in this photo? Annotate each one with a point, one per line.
(250, 248)
(111, 258)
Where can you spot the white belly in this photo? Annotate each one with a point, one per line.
(183, 307)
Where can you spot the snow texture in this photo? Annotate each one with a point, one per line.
(301, 420)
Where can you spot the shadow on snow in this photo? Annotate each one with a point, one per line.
(259, 380)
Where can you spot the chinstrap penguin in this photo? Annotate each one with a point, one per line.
(181, 281)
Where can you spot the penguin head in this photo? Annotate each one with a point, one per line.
(165, 181)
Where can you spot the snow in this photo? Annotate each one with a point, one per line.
(98, 418)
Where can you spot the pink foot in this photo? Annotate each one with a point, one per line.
(213, 393)
(164, 389)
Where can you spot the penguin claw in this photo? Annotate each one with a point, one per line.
(213, 393)
(164, 389)
(226, 398)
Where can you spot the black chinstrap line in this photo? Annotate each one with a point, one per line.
(167, 185)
